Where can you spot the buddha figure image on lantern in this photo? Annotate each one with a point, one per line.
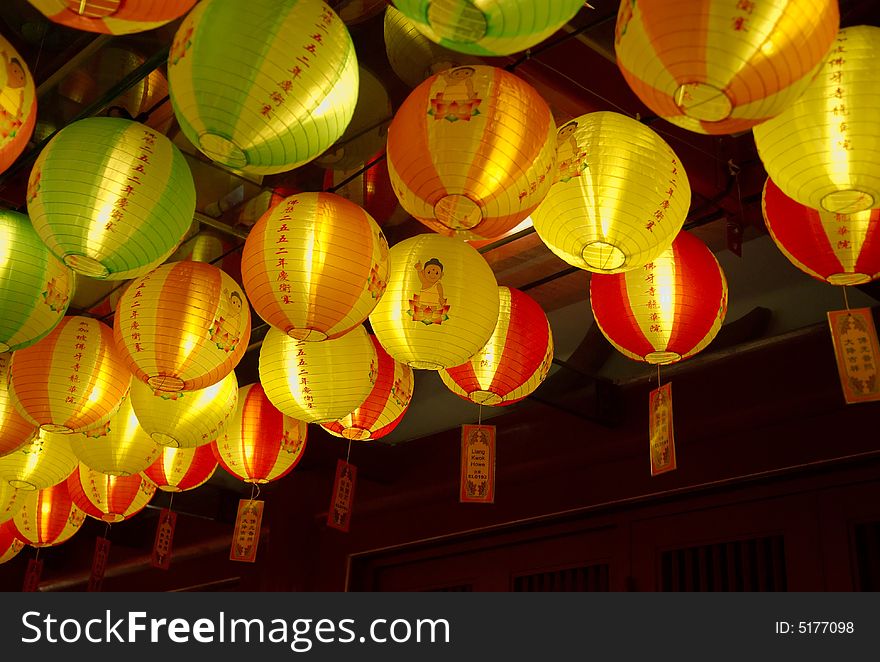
(455, 98)
(16, 78)
(429, 305)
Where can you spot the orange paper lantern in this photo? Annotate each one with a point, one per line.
(10, 543)
(15, 432)
(182, 469)
(18, 104)
(109, 498)
(49, 517)
(113, 16)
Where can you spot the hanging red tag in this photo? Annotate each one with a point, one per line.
(32, 575)
(857, 353)
(99, 563)
(339, 514)
(662, 437)
(246, 537)
(161, 556)
(477, 482)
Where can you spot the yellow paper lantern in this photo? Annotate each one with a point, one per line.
(182, 469)
(15, 431)
(824, 150)
(10, 501)
(621, 195)
(10, 543)
(113, 16)
(109, 498)
(48, 517)
(45, 461)
(441, 304)
(18, 104)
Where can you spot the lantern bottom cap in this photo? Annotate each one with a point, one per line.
(309, 335)
(849, 279)
(458, 212)
(223, 150)
(662, 358)
(57, 429)
(426, 365)
(112, 518)
(116, 472)
(85, 265)
(22, 485)
(847, 201)
(602, 256)
(170, 488)
(457, 21)
(4, 347)
(356, 433)
(167, 383)
(165, 439)
(703, 102)
(255, 481)
(485, 398)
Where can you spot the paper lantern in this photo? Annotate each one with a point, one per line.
(15, 432)
(185, 419)
(18, 104)
(722, 67)
(317, 382)
(35, 288)
(315, 266)
(109, 498)
(620, 197)
(841, 249)
(471, 151)
(514, 362)
(261, 444)
(10, 543)
(72, 380)
(263, 86)
(385, 405)
(182, 469)
(824, 150)
(370, 189)
(113, 16)
(666, 311)
(43, 462)
(10, 501)
(48, 517)
(121, 215)
(183, 326)
(441, 304)
(496, 27)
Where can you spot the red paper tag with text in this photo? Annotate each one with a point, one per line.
(161, 556)
(857, 353)
(477, 483)
(339, 514)
(246, 536)
(661, 431)
(32, 575)
(99, 563)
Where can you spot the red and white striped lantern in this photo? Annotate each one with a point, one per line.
(49, 517)
(109, 498)
(182, 469)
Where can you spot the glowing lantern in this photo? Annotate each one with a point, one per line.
(72, 380)
(441, 304)
(43, 462)
(10, 501)
(471, 151)
(113, 16)
(10, 543)
(317, 382)
(315, 266)
(18, 104)
(620, 197)
(15, 432)
(109, 498)
(183, 326)
(123, 215)
(822, 151)
(252, 87)
(261, 444)
(385, 405)
(48, 517)
(35, 288)
(186, 419)
(182, 469)
(666, 311)
(515, 360)
(500, 27)
(722, 67)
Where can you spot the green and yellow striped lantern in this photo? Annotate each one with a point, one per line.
(35, 288)
(113, 16)
(111, 197)
(18, 104)
(263, 86)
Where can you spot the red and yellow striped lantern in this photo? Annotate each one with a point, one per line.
(15, 432)
(472, 151)
(261, 444)
(722, 67)
(182, 469)
(113, 16)
(10, 542)
(385, 405)
(109, 498)
(49, 517)
(18, 104)
(43, 462)
(666, 311)
(514, 362)
(183, 326)
(73, 380)
(10, 501)
(841, 249)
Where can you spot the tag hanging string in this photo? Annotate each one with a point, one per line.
(255, 491)
(658, 375)
(480, 415)
(845, 298)
(171, 501)
(348, 453)
(107, 531)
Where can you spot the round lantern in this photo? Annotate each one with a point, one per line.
(185, 419)
(620, 197)
(43, 462)
(18, 104)
(10, 501)
(472, 151)
(315, 266)
(113, 16)
(182, 469)
(261, 444)
(666, 311)
(841, 249)
(385, 405)
(722, 67)
(109, 498)
(317, 382)
(183, 326)
(263, 86)
(35, 288)
(124, 213)
(15, 432)
(72, 380)
(441, 304)
(514, 362)
(10, 542)
(496, 27)
(48, 517)
(824, 149)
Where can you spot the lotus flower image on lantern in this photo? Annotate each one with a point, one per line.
(183, 326)
(254, 89)
(666, 311)
(182, 469)
(472, 151)
(10, 501)
(15, 432)
(113, 16)
(43, 462)
(48, 517)
(109, 498)
(122, 215)
(10, 542)
(18, 104)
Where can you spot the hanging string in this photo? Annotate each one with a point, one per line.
(255, 491)
(348, 454)
(107, 531)
(37, 555)
(658, 375)
(480, 415)
(171, 501)
(845, 298)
